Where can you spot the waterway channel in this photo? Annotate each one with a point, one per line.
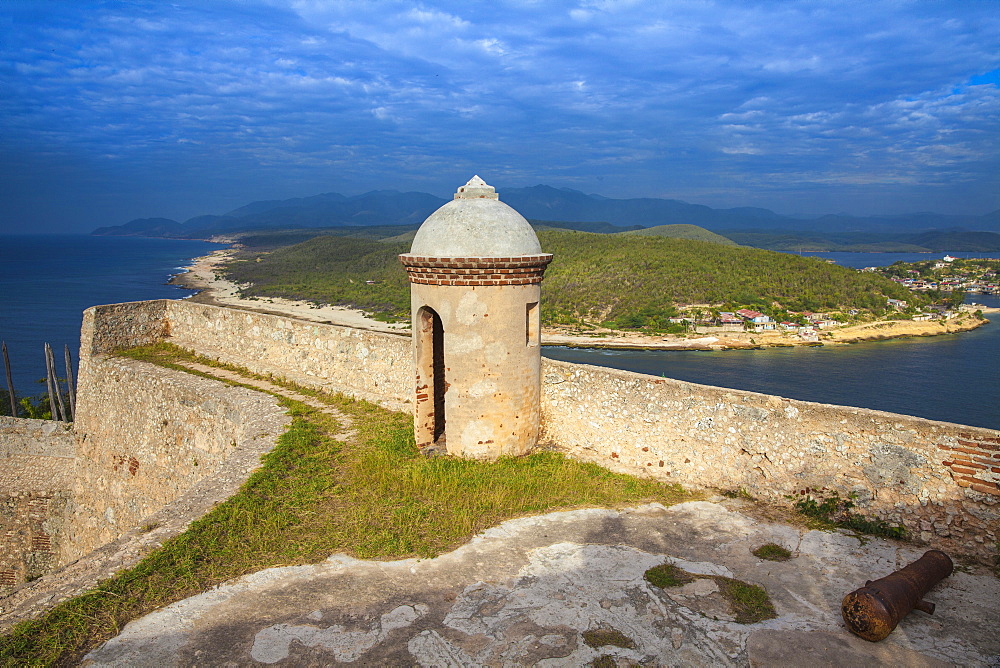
(953, 378)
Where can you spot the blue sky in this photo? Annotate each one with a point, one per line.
(118, 110)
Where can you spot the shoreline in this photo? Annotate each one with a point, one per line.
(217, 291)
(214, 290)
(879, 330)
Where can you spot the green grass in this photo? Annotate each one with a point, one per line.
(772, 552)
(749, 603)
(834, 511)
(378, 498)
(604, 637)
(667, 575)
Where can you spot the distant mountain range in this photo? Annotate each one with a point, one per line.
(577, 210)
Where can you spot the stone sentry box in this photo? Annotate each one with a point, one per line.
(475, 270)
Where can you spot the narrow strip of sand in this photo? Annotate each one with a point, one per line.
(204, 275)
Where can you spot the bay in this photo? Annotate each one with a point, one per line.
(952, 378)
(47, 281)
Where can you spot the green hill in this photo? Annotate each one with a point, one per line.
(596, 277)
(610, 276)
(682, 232)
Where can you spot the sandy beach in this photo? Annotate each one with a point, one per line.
(216, 290)
(202, 275)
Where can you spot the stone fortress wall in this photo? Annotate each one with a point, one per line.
(145, 434)
(36, 477)
(940, 480)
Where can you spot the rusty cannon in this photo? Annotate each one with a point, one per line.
(873, 611)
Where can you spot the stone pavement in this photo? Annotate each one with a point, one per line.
(523, 593)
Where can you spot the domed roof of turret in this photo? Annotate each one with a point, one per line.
(475, 224)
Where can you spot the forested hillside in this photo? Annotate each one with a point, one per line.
(682, 232)
(611, 276)
(597, 277)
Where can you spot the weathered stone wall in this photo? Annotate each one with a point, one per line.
(36, 469)
(368, 365)
(145, 435)
(939, 480)
(43, 438)
(119, 326)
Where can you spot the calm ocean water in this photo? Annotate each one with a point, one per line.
(953, 378)
(47, 281)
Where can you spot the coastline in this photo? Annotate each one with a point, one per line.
(870, 331)
(212, 289)
(201, 275)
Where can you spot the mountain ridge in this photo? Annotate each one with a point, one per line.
(539, 202)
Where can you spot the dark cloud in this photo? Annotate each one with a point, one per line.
(118, 110)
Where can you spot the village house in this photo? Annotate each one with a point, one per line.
(729, 322)
(756, 318)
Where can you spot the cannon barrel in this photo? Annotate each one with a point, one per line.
(873, 611)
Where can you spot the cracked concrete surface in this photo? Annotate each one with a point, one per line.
(523, 593)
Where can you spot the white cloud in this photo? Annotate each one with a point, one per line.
(687, 90)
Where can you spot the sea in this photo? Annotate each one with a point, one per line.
(952, 377)
(47, 281)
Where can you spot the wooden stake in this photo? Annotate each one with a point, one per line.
(54, 412)
(10, 382)
(69, 384)
(54, 387)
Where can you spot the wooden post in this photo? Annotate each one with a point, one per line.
(54, 385)
(10, 382)
(69, 384)
(54, 412)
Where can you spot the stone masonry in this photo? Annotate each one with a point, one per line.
(36, 476)
(475, 269)
(939, 480)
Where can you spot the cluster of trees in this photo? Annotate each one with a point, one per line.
(37, 408)
(606, 277)
(625, 281)
(977, 268)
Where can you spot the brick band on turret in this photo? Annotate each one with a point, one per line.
(474, 271)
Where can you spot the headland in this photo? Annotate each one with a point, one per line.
(204, 275)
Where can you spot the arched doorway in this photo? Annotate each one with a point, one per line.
(431, 382)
